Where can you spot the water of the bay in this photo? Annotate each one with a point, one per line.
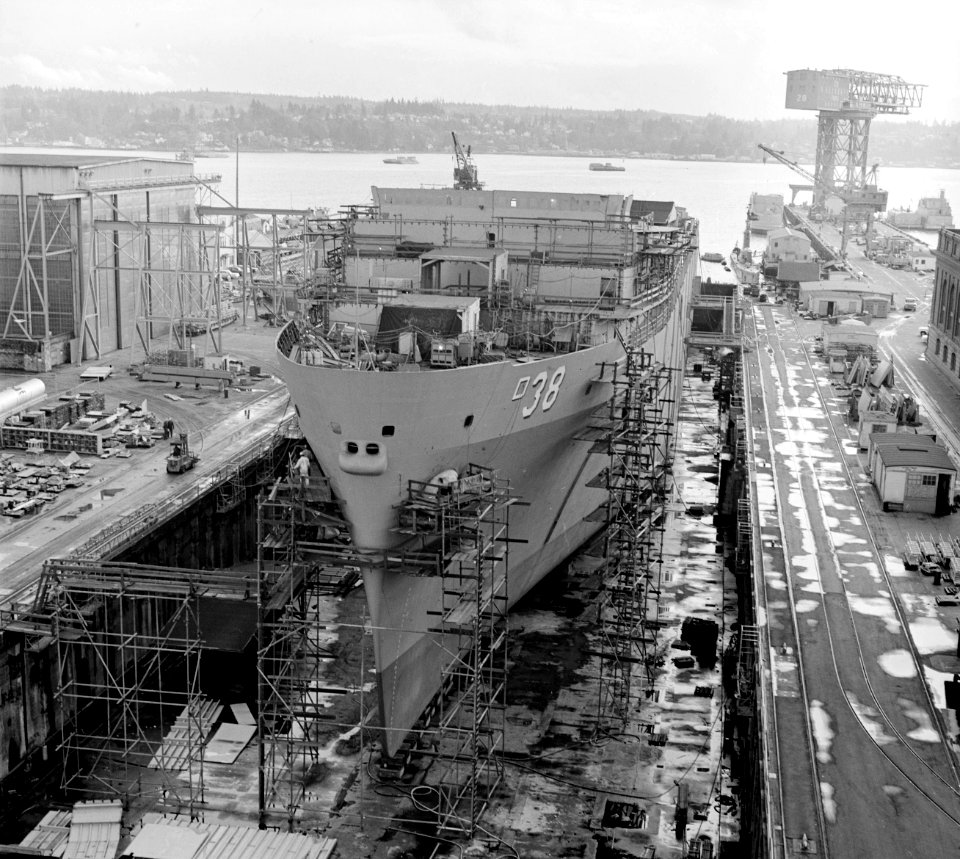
(715, 192)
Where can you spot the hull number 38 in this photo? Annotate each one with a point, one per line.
(540, 391)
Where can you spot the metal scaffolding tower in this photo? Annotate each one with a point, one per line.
(637, 443)
(465, 529)
(128, 647)
(41, 304)
(468, 526)
(296, 572)
(279, 264)
(172, 269)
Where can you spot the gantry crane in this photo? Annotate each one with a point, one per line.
(847, 100)
(465, 172)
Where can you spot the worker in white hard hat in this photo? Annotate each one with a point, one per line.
(302, 467)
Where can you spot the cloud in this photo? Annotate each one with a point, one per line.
(681, 56)
(28, 70)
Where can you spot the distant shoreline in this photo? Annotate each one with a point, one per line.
(229, 153)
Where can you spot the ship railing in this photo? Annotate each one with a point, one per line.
(590, 301)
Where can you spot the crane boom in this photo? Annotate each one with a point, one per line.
(867, 198)
(849, 204)
(778, 154)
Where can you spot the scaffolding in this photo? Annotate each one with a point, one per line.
(171, 268)
(468, 523)
(297, 570)
(279, 265)
(465, 531)
(128, 646)
(638, 444)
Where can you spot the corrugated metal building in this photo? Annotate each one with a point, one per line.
(67, 282)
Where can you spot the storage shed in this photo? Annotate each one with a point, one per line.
(875, 422)
(851, 334)
(912, 473)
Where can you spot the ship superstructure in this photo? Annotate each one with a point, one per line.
(470, 327)
(931, 213)
(765, 212)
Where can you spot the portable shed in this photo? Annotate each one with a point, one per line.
(912, 473)
(875, 422)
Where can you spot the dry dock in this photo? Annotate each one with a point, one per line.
(579, 778)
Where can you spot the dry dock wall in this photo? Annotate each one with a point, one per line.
(217, 530)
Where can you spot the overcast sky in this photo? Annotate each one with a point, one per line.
(679, 56)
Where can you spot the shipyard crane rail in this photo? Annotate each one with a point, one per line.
(465, 172)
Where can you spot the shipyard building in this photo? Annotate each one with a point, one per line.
(75, 256)
(943, 341)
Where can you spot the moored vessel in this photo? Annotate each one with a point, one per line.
(931, 213)
(765, 212)
(467, 327)
(746, 269)
(401, 159)
(607, 166)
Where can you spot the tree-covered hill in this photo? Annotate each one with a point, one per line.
(211, 121)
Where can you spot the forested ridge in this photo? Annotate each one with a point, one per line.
(205, 121)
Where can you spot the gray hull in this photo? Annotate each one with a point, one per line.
(422, 423)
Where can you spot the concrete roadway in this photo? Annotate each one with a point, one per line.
(840, 641)
(218, 428)
(840, 607)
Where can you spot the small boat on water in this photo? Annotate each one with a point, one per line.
(606, 166)
(401, 159)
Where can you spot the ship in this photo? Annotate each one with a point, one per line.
(765, 212)
(470, 328)
(746, 269)
(401, 159)
(931, 213)
(606, 166)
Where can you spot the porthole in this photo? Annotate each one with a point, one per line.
(387, 431)
(352, 447)
(373, 448)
